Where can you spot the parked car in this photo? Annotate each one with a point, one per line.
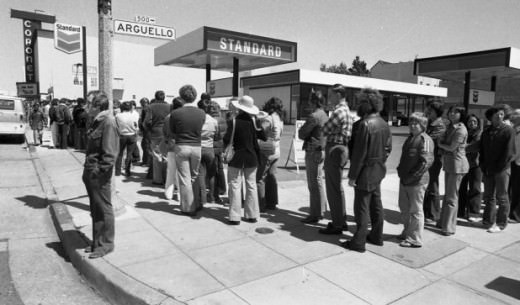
(12, 116)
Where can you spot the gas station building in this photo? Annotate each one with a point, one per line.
(216, 49)
(477, 79)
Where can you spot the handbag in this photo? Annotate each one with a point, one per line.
(229, 152)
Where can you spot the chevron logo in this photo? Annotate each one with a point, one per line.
(67, 38)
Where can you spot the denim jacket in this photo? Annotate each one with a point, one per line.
(103, 144)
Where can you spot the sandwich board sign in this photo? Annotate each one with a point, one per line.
(68, 38)
(296, 153)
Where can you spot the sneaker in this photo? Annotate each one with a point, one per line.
(474, 219)
(429, 222)
(407, 244)
(494, 229)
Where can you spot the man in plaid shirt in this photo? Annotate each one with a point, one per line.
(338, 131)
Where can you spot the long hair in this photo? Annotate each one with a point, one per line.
(460, 110)
(274, 104)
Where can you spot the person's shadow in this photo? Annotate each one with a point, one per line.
(34, 202)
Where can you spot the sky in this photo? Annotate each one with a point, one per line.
(326, 31)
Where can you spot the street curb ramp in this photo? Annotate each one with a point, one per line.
(112, 283)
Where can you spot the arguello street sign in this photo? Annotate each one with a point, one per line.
(67, 38)
(144, 30)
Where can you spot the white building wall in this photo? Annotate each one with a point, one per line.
(132, 66)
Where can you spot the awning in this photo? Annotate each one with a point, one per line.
(217, 48)
(483, 66)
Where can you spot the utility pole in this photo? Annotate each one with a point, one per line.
(105, 49)
(105, 76)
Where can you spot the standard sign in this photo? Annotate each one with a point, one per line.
(145, 30)
(67, 38)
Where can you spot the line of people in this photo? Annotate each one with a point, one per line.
(469, 155)
(186, 141)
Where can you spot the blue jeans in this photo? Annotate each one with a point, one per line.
(266, 183)
(432, 203)
(450, 204)
(315, 183)
(158, 163)
(130, 143)
(336, 157)
(495, 192)
(251, 209)
(411, 199)
(367, 207)
(470, 193)
(187, 159)
(206, 169)
(99, 185)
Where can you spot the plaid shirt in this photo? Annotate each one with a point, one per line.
(338, 128)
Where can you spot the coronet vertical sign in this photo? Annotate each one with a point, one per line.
(29, 39)
(67, 38)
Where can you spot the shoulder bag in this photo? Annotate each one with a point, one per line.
(229, 152)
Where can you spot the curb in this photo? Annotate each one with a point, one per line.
(113, 284)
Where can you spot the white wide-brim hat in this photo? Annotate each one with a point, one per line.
(246, 104)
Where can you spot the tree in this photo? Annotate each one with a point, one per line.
(340, 69)
(359, 67)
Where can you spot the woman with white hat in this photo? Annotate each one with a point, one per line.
(243, 135)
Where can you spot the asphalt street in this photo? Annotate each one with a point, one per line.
(34, 268)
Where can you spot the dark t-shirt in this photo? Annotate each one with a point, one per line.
(186, 125)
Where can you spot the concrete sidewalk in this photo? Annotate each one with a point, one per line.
(163, 257)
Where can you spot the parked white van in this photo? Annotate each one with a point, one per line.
(12, 116)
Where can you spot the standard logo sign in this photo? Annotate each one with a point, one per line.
(237, 43)
(67, 38)
(145, 30)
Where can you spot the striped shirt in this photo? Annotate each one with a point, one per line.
(338, 128)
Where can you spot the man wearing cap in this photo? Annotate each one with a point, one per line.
(338, 131)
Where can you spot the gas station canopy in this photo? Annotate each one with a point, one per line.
(218, 49)
(483, 66)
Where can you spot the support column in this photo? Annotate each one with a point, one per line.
(85, 67)
(493, 83)
(208, 73)
(235, 76)
(467, 83)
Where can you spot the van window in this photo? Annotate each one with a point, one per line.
(6, 104)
